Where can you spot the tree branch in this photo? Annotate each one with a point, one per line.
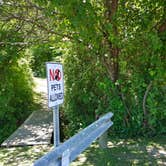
(144, 103)
(111, 6)
(14, 44)
(28, 4)
(162, 27)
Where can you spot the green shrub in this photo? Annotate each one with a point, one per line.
(84, 99)
(90, 93)
(16, 95)
(41, 54)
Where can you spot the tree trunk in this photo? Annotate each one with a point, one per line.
(112, 60)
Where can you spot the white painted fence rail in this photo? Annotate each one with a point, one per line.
(69, 150)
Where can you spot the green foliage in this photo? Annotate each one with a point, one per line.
(16, 97)
(82, 95)
(114, 57)
(41, 54)
(137, 105)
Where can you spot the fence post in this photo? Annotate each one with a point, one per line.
(103, 139)
(65, 158)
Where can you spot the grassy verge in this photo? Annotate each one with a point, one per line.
(145, 151)
(126, 152)
(22, 156)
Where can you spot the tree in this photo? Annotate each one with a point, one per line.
(116, 48)
(127, 39)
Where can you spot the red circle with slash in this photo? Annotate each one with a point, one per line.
(57, 74)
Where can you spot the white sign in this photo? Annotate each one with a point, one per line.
(55, 84)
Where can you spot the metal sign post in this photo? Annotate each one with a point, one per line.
(55, 94)
(56, 126)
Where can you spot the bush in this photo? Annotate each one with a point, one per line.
(16, 95)
(84, 98)
(90, 93)
(40, 55)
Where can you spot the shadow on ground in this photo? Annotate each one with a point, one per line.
(148, 152)
(125, 152)
(22, 156)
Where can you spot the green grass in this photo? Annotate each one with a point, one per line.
(121, 152)
(22, 156)
(125, 152)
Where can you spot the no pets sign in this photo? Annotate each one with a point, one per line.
(55, 84)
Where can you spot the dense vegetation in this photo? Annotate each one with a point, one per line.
(119, 57)
(113, 52)
(16, 96)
